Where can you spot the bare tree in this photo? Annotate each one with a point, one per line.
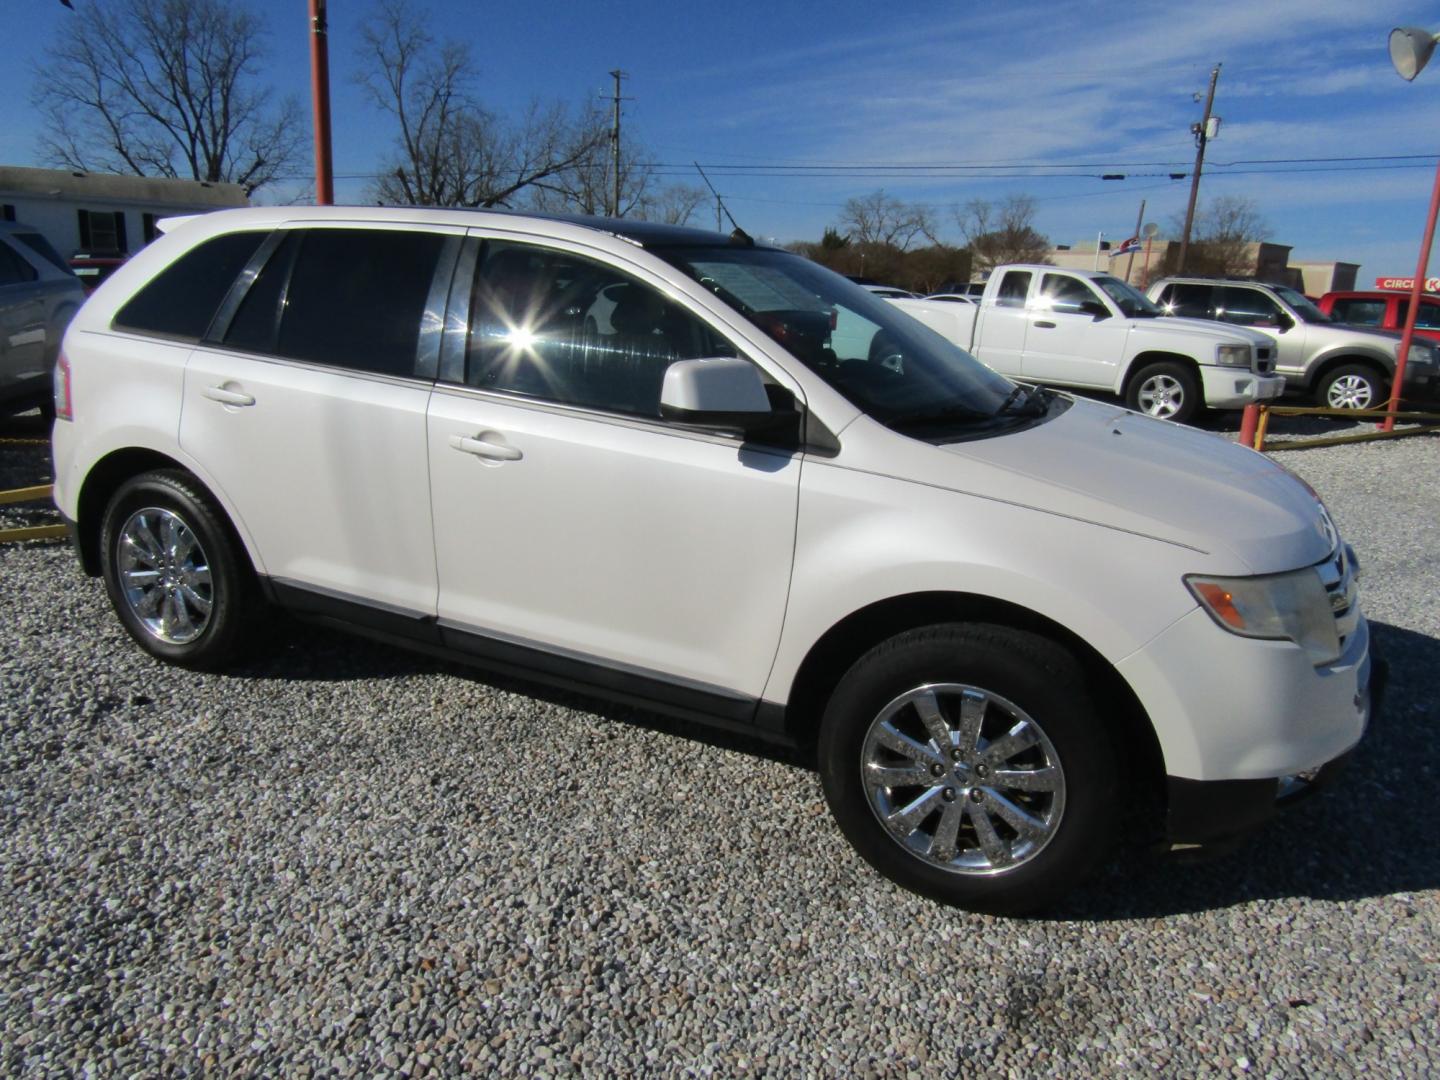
(166, 88)
(1002, 232)
(1223, 236)
(450, 150)
(877, 218)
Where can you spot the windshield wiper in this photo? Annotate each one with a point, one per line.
(1023, 400)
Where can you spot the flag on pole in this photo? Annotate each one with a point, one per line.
(1130, 245)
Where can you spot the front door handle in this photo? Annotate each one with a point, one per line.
(226, 396)
(495, 451)
(1044, 325)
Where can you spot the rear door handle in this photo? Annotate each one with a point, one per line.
(226, 396)
(1044, 325)
(495, 451)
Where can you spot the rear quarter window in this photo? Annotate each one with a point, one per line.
(181, 300)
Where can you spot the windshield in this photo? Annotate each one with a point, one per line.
(1128, 299)
(884, 362)
(1301, 305)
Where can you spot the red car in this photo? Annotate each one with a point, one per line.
(93, 269)
(1383, 310)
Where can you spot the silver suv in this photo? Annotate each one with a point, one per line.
(38, 295)
(1338, 366)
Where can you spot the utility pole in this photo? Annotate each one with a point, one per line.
(1139, 223)
(1202, 135)
(617, 75)
(320, 102)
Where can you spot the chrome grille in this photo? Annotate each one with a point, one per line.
(1337, 573)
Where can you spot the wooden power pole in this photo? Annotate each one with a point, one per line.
(1202, 136)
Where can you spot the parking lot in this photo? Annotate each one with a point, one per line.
(346, 860)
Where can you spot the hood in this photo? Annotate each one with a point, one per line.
(1204, 330)
(1125, 471)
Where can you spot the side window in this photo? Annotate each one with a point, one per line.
(13, 269)
(42, 247)
(181, 300)
(1245, 307)
(1358, 312)
(347, 298)
(1429, 317)
(1188, 301)
(1067, 295)
(1014, 287)
(547, 324)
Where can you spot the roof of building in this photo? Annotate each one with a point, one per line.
(157, 190)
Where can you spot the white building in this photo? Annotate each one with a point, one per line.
(100, 214)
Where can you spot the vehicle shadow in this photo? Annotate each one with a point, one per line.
(295, 650)
(1371, 834)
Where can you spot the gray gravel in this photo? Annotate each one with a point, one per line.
(345, 861)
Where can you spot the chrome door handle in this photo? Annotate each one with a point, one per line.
(1044, 325)
(226, 396)
(480, 448)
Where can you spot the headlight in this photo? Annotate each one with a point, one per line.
(1423, 355)
(1233, 355)
(1278, 607)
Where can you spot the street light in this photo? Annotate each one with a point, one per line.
(1410, 50)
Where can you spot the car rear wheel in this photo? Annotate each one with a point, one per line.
(1165, 390)
(175, 574)
(966, 762)
(1351, 386)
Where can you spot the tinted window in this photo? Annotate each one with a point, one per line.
(1359, 312)
(1067, 295)
(13, 269)
(38, 244)
(351, 298)
(551, 325)
(181, 300)
(1013, 289)
(1428, 319)
(1245, 307)
(1189, 301)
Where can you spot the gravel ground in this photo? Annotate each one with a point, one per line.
(345, 861)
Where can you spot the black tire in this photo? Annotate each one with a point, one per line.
(1352, 386)
(1167, 390)
(1011, 672)
(214, 569)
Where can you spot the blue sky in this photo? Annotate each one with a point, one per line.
(1008, 90)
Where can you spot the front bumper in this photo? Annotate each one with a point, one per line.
(1213, 815)
(1234, 388)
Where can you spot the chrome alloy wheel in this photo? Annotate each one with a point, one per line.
(1350, 392)
(164, 575)
(963, 779)
(1161, 396)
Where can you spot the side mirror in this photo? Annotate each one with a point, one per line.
(1095, 309)
(1284, 321)
(725, 393)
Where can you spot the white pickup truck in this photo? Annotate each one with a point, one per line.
(1090, 330)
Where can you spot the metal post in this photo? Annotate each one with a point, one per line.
(1139, 224)
(320, 103)
(1416, 290)
(1098, 237)
(1200, 139)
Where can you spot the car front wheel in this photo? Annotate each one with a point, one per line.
(1165, 390)
(1351, 386)
(174, 572)
(967, 763)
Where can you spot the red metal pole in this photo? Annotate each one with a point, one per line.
(1388, 424)
(1249, 421)
(320, 102)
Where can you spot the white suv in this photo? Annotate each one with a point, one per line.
(635, 459)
